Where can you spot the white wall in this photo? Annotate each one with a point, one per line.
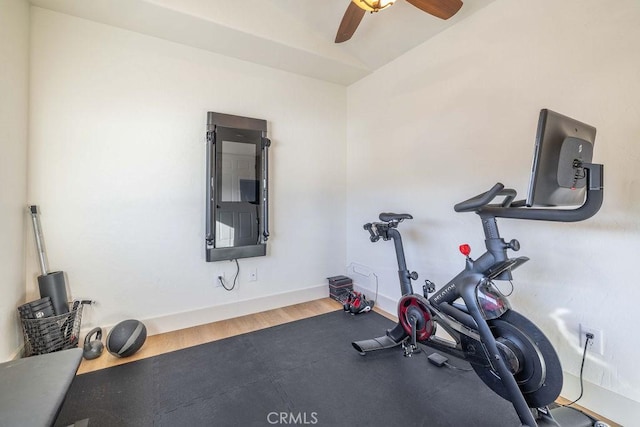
(117, 165)
(14, 57)
(457, 114)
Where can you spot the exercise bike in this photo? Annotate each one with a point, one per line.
(506, 350)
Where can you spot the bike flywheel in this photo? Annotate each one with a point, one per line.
(530, 356)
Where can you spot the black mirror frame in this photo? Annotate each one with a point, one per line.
(215, 120)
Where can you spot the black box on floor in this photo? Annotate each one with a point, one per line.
(339, 280)
(339, 286)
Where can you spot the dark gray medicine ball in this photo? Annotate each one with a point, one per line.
(126, 338)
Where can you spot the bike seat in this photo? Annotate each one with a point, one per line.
(388, 216)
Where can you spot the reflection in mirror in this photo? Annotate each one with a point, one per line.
(237, 219)
(237, 208)
(238, 172)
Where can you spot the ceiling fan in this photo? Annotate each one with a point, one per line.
(443, 9)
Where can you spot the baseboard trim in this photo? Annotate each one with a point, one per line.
(609, 404)
(188, 319)
(17, 353)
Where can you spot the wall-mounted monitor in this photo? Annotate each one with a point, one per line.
(563, 145)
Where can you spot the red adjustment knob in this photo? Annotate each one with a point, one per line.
(465, 249)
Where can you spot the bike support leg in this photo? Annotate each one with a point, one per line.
(467, 291)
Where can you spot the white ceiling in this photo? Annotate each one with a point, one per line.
(292, 35)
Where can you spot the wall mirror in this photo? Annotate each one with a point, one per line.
(237, 209)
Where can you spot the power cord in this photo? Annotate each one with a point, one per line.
(589, 336)
(500, 290)
(221, 279)
(439, 360)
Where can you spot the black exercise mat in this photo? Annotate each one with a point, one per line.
(302, 373)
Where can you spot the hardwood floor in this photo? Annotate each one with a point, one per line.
(176, 340)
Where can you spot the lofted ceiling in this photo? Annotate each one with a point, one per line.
(291, 35)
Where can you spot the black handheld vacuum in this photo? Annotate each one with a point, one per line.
(52, 284)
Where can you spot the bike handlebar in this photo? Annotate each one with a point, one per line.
(374, 236)
(381, 229)
(485, 198)
(591, 205)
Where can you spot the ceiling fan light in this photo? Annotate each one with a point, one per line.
(373, 5)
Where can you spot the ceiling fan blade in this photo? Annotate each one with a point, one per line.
(350, 22)
(443, 9)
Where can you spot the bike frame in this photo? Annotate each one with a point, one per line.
(470, 320)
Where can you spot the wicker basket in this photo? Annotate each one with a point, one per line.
(54, 333)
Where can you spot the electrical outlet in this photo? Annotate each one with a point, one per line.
(220, 275)
(253, 275)
(596, 344)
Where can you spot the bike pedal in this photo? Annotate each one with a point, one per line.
(428, 288)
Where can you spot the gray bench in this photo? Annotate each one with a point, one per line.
(33, 389)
